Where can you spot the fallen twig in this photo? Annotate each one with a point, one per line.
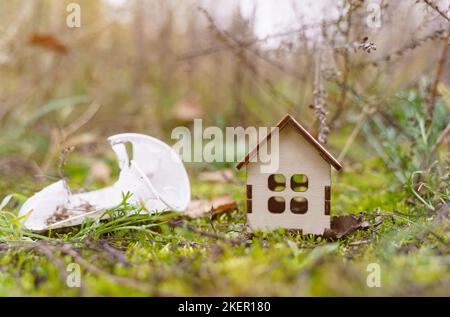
(206, 234)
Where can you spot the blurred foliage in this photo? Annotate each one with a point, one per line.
(149, 66)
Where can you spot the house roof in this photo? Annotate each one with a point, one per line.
(288, 119)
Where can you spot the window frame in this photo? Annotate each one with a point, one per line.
(298, 205)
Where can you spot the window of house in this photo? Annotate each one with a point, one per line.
(277, 182)
(299, 205)
(276, 204)
(299, 183)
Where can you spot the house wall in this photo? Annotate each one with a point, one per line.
(297, 157)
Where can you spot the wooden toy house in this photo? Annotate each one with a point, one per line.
(298, 194)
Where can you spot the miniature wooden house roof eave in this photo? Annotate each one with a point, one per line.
(288, 119)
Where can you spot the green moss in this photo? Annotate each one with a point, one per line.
(157, 256)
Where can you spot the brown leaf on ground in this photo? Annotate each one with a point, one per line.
(202, 207)
(222, 176)
(49, 42)
(344, 225)
(188, 109)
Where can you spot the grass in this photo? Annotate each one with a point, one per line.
(404, 201)
(169, 255)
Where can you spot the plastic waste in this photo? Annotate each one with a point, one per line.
(154, 175)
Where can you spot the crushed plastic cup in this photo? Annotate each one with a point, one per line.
(154, 175)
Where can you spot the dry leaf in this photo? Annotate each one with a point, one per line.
(188, 109)
(222, 176)
(49, 42)
(344, 225)
(203, 207)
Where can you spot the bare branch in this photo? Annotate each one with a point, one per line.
(435, 7)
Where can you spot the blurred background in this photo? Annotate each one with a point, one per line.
(361, 75)
(369, 78)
